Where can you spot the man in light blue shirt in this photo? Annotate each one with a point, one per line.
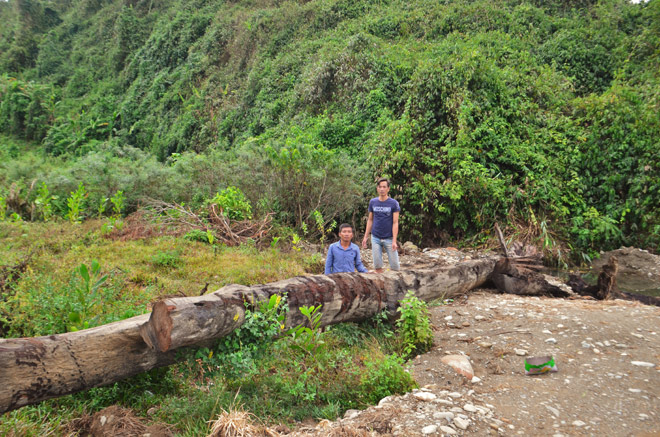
(344, 255)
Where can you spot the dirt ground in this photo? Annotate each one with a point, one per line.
(607, 383)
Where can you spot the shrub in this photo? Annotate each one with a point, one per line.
(414, 325)
(167, 260)
(233, 204)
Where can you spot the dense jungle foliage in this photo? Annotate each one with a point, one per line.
(543, 115)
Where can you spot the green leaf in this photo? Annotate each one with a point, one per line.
(84, 272)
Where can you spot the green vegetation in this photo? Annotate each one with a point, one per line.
(275, 118)
(278, 375)
(414, 325)
(510, 111)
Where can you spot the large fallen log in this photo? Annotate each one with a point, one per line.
(40, 368)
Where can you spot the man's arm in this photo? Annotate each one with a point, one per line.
(329, 260)
(370, 223)
(395, 229)
(358, 263)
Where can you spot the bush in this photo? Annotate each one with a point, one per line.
(414, 325)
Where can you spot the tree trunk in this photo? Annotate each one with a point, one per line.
(35, 369)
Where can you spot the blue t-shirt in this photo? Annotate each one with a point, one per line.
(343, 260)
(383, 221)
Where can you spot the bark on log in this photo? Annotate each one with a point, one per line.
(520, 276)
(36, 369)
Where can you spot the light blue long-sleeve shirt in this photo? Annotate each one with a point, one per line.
(343, 260)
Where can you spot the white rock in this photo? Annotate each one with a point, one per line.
(551, 340)
(634, 390)
(454, 394)
(479, 317)
(520, 352)
(385, 400)
(425, 396)
(431, 429)
(475, 379)
(443, 415)
(642, 364)
(447, 430)
(443, 402)
(470, 408)
(448, 318)
(578, 423)
(553, 410)
(351, 414)
(461, 423)
(547, 331)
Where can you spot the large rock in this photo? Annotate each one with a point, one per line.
(460, 363)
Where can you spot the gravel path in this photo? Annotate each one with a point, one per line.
(607, 384)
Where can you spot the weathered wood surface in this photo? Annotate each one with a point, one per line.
(40, 368)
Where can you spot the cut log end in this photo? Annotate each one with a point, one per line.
(157, 332)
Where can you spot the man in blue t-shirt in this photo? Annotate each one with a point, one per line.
(344, 255)
(383, 224)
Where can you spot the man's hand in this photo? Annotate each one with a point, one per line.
(364, 242)
(394, 245)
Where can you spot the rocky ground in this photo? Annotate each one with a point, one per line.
(607, 381)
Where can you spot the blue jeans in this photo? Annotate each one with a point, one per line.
(377, 245)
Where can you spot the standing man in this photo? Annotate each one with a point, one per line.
(344, 255)
(383, 224)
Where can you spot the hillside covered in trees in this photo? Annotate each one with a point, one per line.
(544, 115)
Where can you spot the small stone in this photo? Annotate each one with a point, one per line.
(351, 414)
(384, 400)
(551, 340)
(425, 396)
(634, 390)
(470, 408)
(447, 430)
(642, 364)
(443, 415)
(553, 410)
(578, 423)
(475, 379)
(454, 395)
(485, 344)
(448, 318)
(547, 331)
(520, 352)
(643, 416)
(443, 402)
(494, 426)
(461, 423)
(596, 351)
(431, 429)
(466, 324)
(479, 317)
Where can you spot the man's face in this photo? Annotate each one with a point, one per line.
(383, 189)
(346, 235)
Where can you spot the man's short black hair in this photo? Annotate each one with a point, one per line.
(383, 180)
(345, 225)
